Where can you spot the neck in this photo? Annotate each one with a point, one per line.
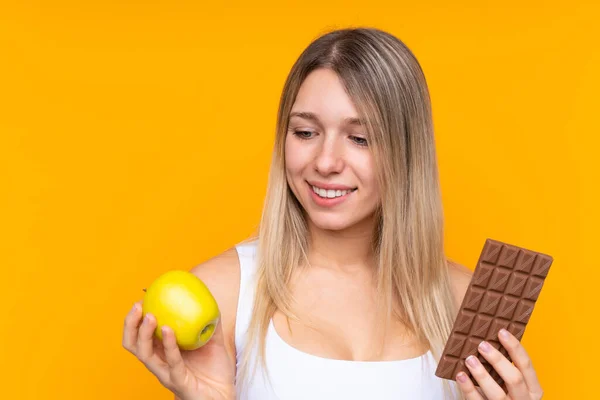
(344, 250)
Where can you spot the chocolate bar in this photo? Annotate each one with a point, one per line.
(503, 291)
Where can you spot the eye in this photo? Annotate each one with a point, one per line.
(361, 141)
(303, 134)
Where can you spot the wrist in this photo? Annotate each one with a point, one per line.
(220, 393)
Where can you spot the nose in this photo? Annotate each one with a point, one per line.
(330, 158)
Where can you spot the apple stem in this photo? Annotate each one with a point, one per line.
(144, 289)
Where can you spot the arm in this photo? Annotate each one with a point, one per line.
(460, 278)
(221, 274)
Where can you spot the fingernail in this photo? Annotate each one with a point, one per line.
(163, 330)
(146, 319)
(461, 377)
(472, 361)
(504, 333)
(485, 346)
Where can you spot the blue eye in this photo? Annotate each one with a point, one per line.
(361, 141)
(303, 134)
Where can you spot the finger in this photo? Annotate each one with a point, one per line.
(178, 370)
(145, 348)
(515, 383)
(488, 385)
(521, 359)
(146, 353)
(465, 384)
(145, 345)
(130, 327)
(158, 348)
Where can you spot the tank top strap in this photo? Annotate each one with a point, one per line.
(247, 258)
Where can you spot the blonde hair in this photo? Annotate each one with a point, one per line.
(389, 90)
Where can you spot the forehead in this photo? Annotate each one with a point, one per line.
(322, 94)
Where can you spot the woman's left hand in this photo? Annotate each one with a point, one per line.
(520, 379)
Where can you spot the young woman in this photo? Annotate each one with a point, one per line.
(346, 292)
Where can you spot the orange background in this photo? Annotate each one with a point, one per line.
(136, 138)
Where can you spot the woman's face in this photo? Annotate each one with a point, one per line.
(329, 165)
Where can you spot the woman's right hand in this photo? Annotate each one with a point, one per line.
(202, 374)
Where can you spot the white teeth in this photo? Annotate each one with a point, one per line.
(330, 194)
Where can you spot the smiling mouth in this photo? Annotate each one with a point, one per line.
(330, 193)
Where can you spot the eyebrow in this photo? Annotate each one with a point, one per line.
(313, 117)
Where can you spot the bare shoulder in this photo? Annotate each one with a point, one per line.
(460, 278)
(221, 274)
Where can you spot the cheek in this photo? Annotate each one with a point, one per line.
(294, 158)
(290, 160)
(368, 176)
(365, 168)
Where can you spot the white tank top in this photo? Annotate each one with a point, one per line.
(295, 375)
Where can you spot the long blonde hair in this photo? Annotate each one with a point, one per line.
(389, 90)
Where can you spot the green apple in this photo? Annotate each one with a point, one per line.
(180, 300)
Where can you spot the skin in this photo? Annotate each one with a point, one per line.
(328, 149)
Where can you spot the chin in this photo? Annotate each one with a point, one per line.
(331, 224)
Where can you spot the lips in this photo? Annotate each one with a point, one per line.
(330, 186)
(329, 195)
